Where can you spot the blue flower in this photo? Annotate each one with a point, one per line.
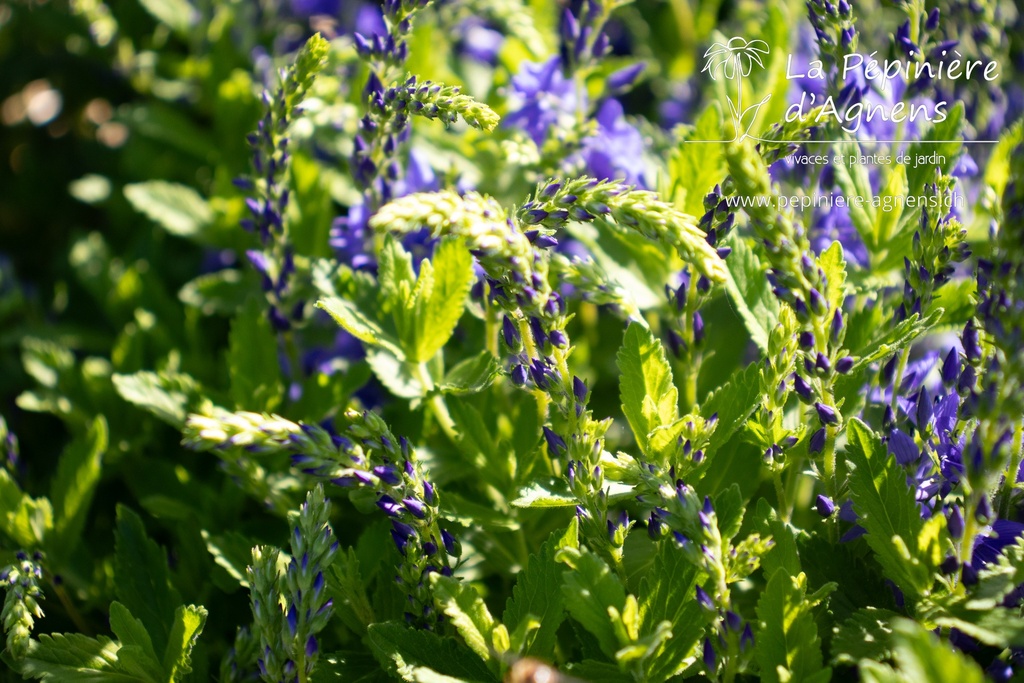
(541, 97)
(616, 152)
(479, 42)
(308, 8)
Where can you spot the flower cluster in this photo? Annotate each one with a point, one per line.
(269, 186)
(376, 467)
(20, 582)
(290, 608)
(678, 513)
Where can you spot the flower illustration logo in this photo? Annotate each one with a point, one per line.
(735, 60)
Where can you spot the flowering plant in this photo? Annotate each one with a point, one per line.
(483, 340)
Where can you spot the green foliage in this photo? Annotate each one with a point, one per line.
(886, 508)
(788, 647)
(649, 398)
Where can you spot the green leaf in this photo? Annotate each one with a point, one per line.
(649, 398)
(188, 625)
(865, 635)
(232, 551)
(886, 221)
(734, 402)
(178, 209)
(886, 509)
(895, 338)
(312, 210)
(751, 293)
(136, 654)
(833, 264)
(552, 493)
(668, 595)
(253, 361)
(852, 179)
(360, 324)
(168, 396)
(472, 375)
(538, 594)
(178, 15)
(998, 579)
(401, 650)
(441, 305)
(222, 292)
(942, 139)
(922, 656)
(589, 589)
(395, 374)
(72, 488)
(785, 553)
(466, 611)
(73, 658)
(787, 645)
(141, 578)
(695, 168)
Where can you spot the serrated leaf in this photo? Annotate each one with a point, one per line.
(865, 635)
(922, 656)
(253, 361)
(178, 209)
(360, 324)
(232, 551)
(695, 168)
(401, 650)
(667, 592)
(786, 644)
(538, 594)
(734, 402)
(885, 508)
(472, 375)
(136, 654)
(751, 293)
(784, 553)
(886, 221)
(73, 658)
(189, 621)
(441, 307)
(168, 396)
(833, 264)
(141, 578)
(466, 611)
(72, 488)
(552, 493)
(394, 374)
(589, 589)
(649, 398)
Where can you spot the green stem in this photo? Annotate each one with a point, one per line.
(1010, 476)
(897, 379)
(831, 481)
(531, 352)
(436, 402)
(780, 495)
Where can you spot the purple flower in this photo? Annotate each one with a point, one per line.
(616, 151)
(308, 8)
(903, 447)
(479, 42)
(541, 98)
